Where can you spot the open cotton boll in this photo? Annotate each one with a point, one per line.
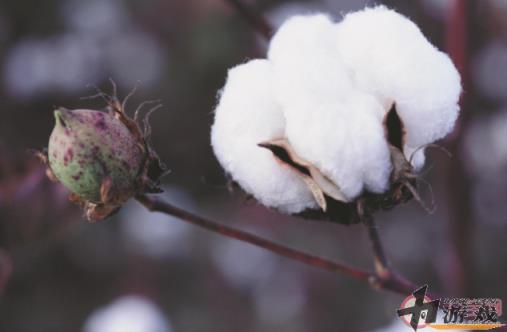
(247, 114)
(321, 99)
(306, 62)
(390, 58)
(345, 140)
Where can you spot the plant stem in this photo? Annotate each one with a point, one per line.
(391, 282)
(257, 21)
(381, 263)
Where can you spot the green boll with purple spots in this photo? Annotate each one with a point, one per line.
(86, 147)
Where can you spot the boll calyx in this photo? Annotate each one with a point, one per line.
(102, 158)
(338, 113)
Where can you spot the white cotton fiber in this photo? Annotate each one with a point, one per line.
(306, 63)
(345, 140)
(327, 87)
(329, 123)
(390, 58)
(247, 114)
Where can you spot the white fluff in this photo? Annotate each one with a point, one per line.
(129, 313)
(329, 123)
(391, 59)
(327, 87)
(345, 141)
(305, 62)
(247, 114)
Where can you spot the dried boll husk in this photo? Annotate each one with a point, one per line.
(102, 157)
(333, 205)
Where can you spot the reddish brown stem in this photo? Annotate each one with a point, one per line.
(257, 21)
(381, 263)
(386, 277)
(392, 282)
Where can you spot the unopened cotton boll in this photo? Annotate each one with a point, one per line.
(246, 115)
(389, 57)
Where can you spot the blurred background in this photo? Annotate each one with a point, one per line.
(140, 271)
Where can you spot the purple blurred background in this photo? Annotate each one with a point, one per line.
(140, 271)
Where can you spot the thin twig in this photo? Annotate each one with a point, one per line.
(392, 282)
(385, 276)
(257, 21)
(153, 203)
(381, 263)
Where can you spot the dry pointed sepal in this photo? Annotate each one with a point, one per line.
(403, 172)
(103, 158)
(318, 183)
(401, 167)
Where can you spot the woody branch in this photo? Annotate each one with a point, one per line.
(390, 282)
